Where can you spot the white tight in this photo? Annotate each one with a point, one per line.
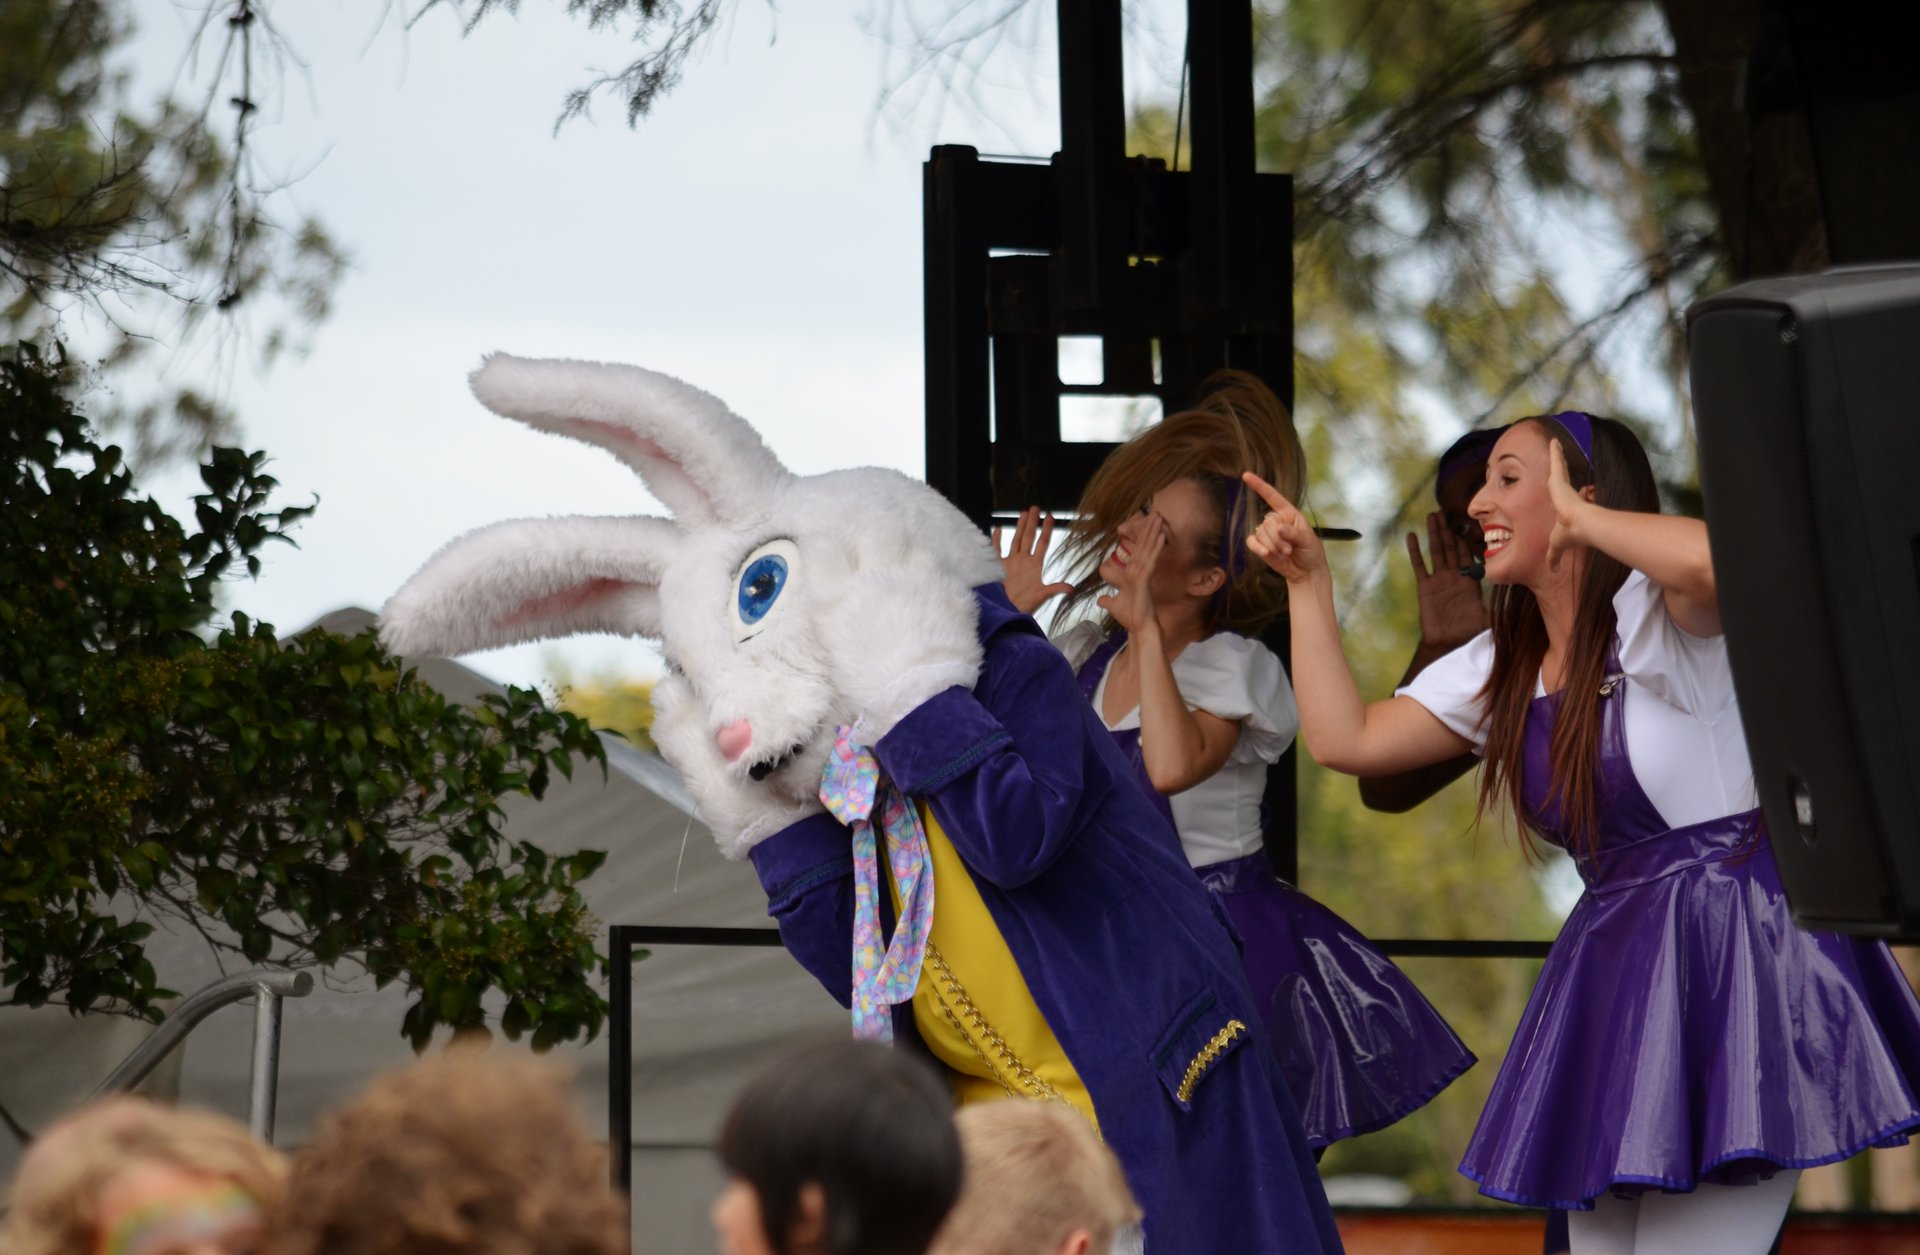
(1725, 1219)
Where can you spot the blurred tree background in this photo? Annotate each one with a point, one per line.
(1502, 207)
(140, 232)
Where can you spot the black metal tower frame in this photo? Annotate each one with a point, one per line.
(1179, 273)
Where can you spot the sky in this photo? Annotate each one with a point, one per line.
(758, 234)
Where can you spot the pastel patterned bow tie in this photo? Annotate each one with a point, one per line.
(855, 791)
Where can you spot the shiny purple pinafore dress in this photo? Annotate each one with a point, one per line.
(1683, 1030)
(1359, 1045)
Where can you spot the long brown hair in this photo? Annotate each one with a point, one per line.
(1622, 480)
(1237, 424)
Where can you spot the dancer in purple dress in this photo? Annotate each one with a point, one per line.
(1202, 710)
(1687, 1049)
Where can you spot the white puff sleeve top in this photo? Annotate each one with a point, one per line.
(1241, 681)
(1683, 731)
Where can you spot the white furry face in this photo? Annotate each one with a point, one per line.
(738, 618)
(790, 563)
(742, 586)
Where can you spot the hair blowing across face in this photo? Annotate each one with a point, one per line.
(1236, 425)
(871, 1127)
(1622, 480)
(462, 1152)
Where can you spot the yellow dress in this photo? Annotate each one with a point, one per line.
(972, 1007)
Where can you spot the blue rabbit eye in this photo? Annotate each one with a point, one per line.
(762, 576)
(761, 586)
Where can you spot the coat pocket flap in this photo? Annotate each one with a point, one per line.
(1203, 1033)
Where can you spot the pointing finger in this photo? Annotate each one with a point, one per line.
(1267, 492)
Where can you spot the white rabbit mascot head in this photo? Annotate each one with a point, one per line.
(786, 605)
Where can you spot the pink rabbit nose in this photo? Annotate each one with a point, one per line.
(733, 738)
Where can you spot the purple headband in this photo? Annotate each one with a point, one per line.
(1580, 427)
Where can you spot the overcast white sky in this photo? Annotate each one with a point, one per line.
(758, 235)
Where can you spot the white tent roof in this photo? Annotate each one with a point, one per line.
(703, 1017)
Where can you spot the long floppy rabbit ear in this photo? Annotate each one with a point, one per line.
(698, 457)
(530, 579)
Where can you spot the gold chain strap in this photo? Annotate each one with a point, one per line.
(956, 1003)
(1205, 1059)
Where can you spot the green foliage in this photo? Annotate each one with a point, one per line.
(1500, 209)
(300, 802)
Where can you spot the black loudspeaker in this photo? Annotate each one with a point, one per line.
(1806, 392)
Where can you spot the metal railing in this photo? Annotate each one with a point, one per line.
(266, 986)
(624, 938)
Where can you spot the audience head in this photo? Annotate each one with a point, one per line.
(126, 1174)
(463, 1152)
(1039, 1182)
(843, 1148)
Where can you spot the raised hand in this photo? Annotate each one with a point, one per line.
(1569, 503)
(1131, 604)
(1285, 540)
(1451, 612)
(1025, 564)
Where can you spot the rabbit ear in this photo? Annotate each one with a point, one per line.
(698, 457)
(530, 579)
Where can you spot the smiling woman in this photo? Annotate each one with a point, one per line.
(1687, 1050)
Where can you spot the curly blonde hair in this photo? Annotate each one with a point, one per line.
(1237, 424)
(55, 1203)
(464, 1152)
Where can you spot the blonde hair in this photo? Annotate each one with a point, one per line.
(55, 1199)
(1236, 425)
(1036, 1173)
(463, 1152)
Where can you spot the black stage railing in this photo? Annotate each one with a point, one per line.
(625, 938)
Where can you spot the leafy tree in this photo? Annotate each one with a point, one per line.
(136, 220)
(299, 802)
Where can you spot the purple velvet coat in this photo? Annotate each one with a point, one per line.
(1122, 948)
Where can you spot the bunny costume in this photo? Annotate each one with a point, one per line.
(859, 606)
(1118, 942)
